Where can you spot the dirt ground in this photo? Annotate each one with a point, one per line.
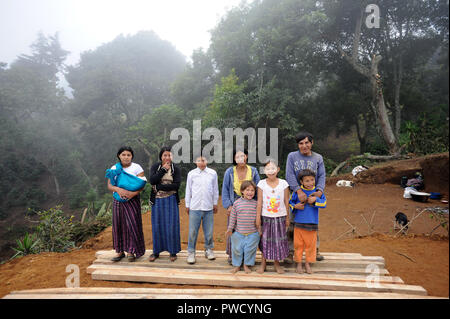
(419, 259)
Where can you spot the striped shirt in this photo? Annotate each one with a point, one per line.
(243, 216)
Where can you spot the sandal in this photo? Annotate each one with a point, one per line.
(152, 257)
(173, 257)
(118, 258)
(131, 258)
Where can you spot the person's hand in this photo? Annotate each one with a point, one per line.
(258, 225)
(166, 165)
(123, 193)
(229, 210)
(287, 223)
(228, 233)
(299, 206)
(187, 210)
(215, 209)
(312, 199)
(318, 194)
(301, 195)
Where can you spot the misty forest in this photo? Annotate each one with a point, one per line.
(287, 64)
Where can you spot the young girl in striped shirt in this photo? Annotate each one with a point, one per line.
(245, 239)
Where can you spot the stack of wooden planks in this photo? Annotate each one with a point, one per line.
(218, 293)
(340, 275)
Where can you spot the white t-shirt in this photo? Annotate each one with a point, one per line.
(133, 169)
(273, 198)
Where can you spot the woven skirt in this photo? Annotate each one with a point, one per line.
(166, 225)
(274, 242)
(127, 227)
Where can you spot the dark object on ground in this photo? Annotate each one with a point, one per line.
(416, 182)
(403, 181)
(435, 195)
(420, 196)
(401, 219)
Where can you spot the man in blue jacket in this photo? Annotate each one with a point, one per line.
(299, 160)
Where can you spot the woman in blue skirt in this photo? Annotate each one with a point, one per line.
(165, 178)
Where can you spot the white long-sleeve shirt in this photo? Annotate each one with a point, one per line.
(202, 189)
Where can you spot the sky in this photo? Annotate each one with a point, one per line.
(86, 24)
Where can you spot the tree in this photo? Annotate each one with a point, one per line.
(115, 85)
(402, 26)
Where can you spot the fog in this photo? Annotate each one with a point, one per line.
(84, 25)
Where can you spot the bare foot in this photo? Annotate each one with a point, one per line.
(278, 267)
(247, 269)
(262, 268)
(235, 269)
(299, 269)
(308, 268)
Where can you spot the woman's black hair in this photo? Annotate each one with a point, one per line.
(125, 148)
(236, 151)
(302, 135)
(164, 149)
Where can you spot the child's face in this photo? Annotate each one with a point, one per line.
(201, 162)
(271, 170)
(249, 192)
(308, 182)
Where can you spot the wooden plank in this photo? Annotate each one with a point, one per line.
(287, 274)
(112, 292)
(222, 263)
(248, 280)
(258, 258)
(198, 296)
(224, 266)
(222, 254)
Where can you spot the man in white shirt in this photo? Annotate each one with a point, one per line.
(202, 194)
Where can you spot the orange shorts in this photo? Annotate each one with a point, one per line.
(305, 240)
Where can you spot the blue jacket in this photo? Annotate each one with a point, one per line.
(227, 185)
(309, 215)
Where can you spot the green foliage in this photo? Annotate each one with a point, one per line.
(428, 134)
(330, 165)
(54, 230)
(26, 246)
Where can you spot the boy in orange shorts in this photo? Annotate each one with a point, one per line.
(306, 220)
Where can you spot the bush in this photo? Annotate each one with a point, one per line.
(26, 246)
(54, 230)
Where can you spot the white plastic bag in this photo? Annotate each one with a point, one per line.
(358, 169)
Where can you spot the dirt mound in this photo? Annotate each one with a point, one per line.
(434, 169)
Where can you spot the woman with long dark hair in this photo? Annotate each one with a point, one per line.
(165, 178)
(127, 219)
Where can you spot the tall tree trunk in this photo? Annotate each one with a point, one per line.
(377, 104)
(380, 107)
(398, 77)
(56, 185)
(362, 134)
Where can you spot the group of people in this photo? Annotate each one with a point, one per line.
(261, 213)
